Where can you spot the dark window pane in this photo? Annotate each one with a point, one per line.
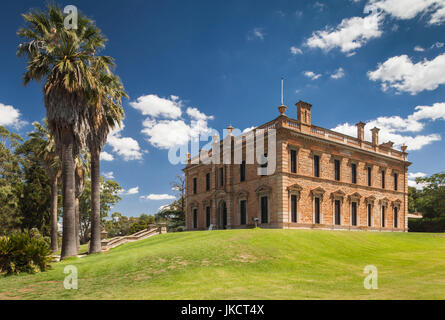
(208, 217)
(369, 215)
(293, 161)
(337, 169)
(369, 176)
(208, 181)
(294, 208)
(243, 212)
(354, 173)
(354, 214)
(317, 210)
(317, 166)
(195, 185)
(383, 216)
(337, 212)
(264, 210)
(195, 218)
(221, 177)
(383, 179)
(396, 217)
(243, 171)
(396, 181)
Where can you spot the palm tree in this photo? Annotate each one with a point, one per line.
(81, 171)
(44, 147)
(106, 114)
(63, 61)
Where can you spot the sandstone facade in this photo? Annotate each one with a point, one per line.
(322, 179)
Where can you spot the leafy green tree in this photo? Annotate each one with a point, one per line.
(11, 182)
(41, 148)
(431, 201)
(109, 197)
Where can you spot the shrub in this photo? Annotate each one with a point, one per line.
(22, 253)
(427, 225)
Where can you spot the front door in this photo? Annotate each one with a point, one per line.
(223, 215)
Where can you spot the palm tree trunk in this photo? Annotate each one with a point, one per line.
(95, 243)
(77, 225)
(69, 248)
(54, 225)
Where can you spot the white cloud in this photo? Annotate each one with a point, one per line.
(419, 49)
(349, 35)
(171, 131)
(338, 74)
(129, 192)
(403, 75)
(299, 14)
(158, 197)
(125, 147)
(295, 50)
(105, 156)
(311, 75)
(319, 6)
(408, 9)
(155, 106)
(108, 175)
(10, 116)
(256, 33)
(395, 128)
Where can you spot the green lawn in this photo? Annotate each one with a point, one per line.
(250, 264)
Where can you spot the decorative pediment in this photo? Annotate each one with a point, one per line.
(207, 202)
(194, 204)
(355, 197)
(384, 202)
(318, 191)
(263, 189)
(242, 194)
(338, 194)
(218, 194)
(295, 187)
(370, 200)
(397, 203)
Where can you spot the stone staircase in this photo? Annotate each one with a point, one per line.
(153, 230)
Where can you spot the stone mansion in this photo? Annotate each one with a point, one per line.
(323, 180)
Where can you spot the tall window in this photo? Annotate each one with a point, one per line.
(243, 171)
(293, 161)
(221, 176)
(317, 166)
(337, 212)
(383, 179)
(195, 186)
(354, 214)
(369, 215)
(208, 217)
(337, 170)
(264, 165)
(293, 208)
(396, 217)
(396, 181)
(264, 209)
(383, 216)
(369, 176)
(208, 181)
(243, 212)
(354, 173)
(195, 218)
(317, 211)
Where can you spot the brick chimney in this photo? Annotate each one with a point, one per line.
(375, 136)
(304, 112)
(361, 131)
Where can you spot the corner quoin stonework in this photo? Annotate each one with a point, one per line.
(287, 199)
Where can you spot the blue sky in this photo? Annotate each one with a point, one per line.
(208, 64)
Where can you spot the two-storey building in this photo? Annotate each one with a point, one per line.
(323, 179)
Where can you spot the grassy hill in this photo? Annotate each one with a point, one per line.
(250, 264)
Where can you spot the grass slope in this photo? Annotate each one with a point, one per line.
(250, 264)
